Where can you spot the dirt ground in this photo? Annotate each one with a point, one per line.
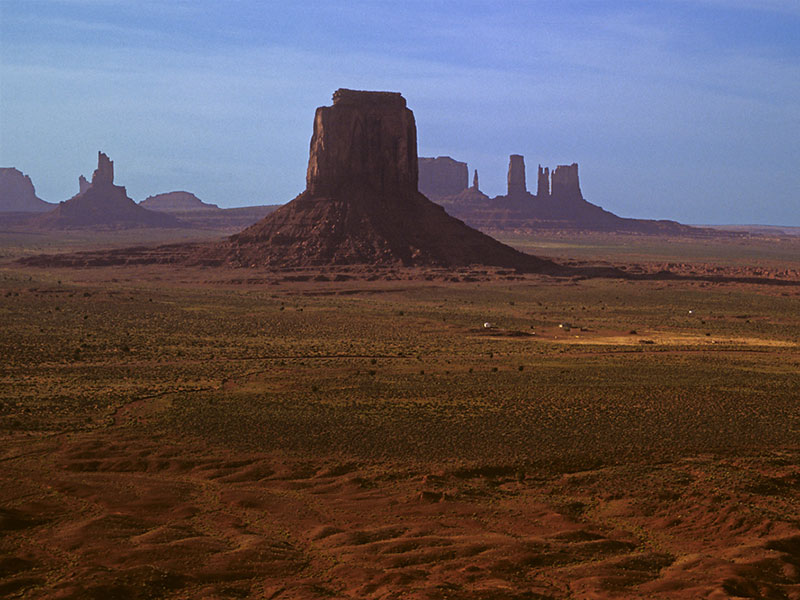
(191, 433)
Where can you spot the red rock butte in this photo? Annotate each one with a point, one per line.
(102, 205)
(362, 204)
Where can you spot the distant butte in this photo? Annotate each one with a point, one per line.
(102, 205)
(176, 202)
(558, 203)
(17, 193)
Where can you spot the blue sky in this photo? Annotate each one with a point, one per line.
(688, 110)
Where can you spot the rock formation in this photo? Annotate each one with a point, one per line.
(516, 175)
(17, 193)
(362, 205)
(442, 176)
(543, 187)
(565, 184)
(83, 184)
(176, 202)
(104, 173)
(102, 205)
(475, 180)
(558, 204)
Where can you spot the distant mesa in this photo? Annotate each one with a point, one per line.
(557, 204)
(442, 176)
(362, 204)
(176, 202)
(17, 193)
(202, 215)
(102, 205)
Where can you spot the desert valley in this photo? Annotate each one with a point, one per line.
(358, 395)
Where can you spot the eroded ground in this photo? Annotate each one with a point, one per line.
(187, 434)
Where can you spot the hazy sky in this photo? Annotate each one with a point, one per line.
(688, 110)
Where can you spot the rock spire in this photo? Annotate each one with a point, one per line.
(516, 175)
(543, 187)
(104, 173)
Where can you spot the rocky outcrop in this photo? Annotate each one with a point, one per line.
(362, 205)
(565, 184)
(177, 202)
(442, 176)
(475, 180)
(366, 141)
(102, 205)
(104, 173)
(543, 187)
(516, 175)
(83, 184)
(558, 204)
(17, 193)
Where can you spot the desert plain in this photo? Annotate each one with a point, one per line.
(188, 432)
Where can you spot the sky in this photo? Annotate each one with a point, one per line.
(673, 109)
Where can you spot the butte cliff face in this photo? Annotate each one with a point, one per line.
(102, 205)
(367, 141)
(362, 205)
(17, 193)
